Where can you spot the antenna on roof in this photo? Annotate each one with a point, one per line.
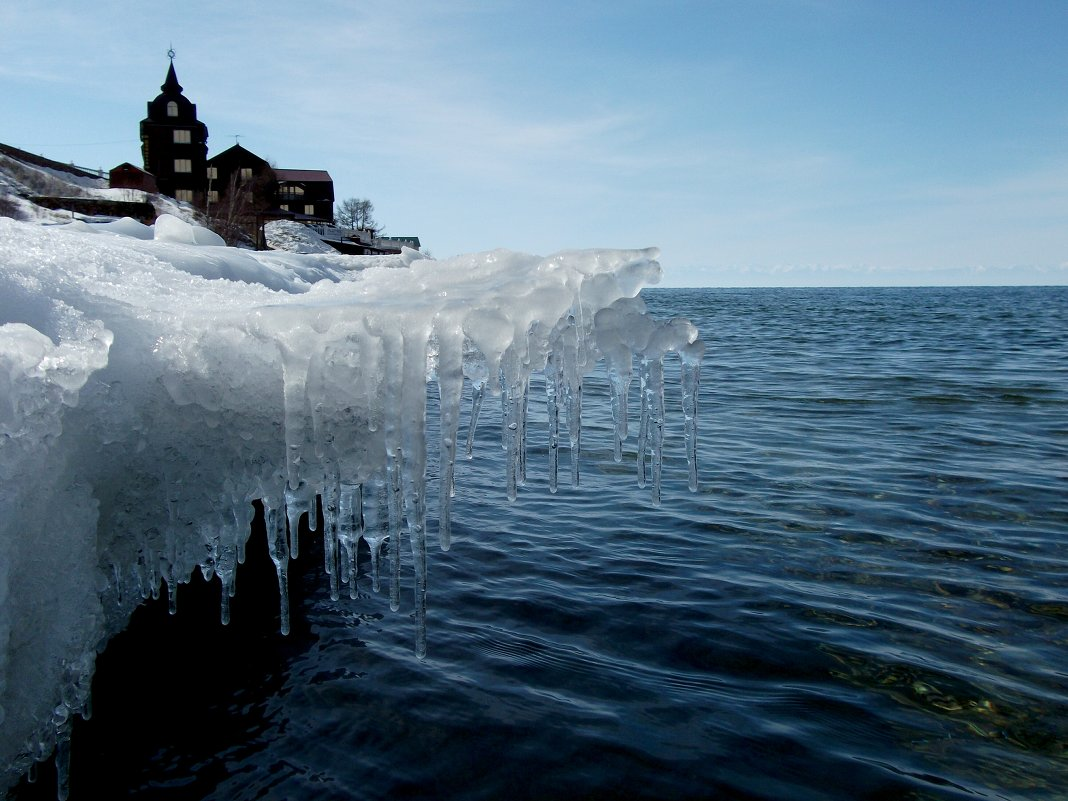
(236, 137)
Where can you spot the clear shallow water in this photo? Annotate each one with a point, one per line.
(867, 599)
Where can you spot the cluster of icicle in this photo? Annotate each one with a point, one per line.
(206, 395)
(397, 494)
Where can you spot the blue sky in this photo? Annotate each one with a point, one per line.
(755, 142)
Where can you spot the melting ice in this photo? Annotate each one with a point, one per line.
(153, 383)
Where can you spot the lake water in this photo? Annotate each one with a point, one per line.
(866, 599)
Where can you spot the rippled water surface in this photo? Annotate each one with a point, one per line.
(867, 598)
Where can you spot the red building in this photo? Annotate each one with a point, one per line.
(127, 176)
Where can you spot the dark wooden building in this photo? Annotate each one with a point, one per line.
(174, 143)
(239, 172)
(235, 187)
(306, 193)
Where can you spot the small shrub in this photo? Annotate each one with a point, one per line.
(9, 208)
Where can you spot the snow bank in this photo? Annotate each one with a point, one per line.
(294, 237)
(151, 389)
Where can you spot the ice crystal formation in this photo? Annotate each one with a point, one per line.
(154, 383)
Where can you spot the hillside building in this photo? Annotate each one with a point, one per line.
(307, 193)
(174, 148)
(238, 190)
(174, 143)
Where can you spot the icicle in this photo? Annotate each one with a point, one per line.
(691, 381)
(656, 423)
(416, 505)
(172, 589)
(577, 323)
(300, 496)
(417, 534)
(278, 548)
(643, 423)
(477, 390)
(573, 392)
(350, 529)
(152, 572)
(509, 431)
(507, 424)
(620, 381)
(413, 428)
(211, 553)
(139, 569)
(297, 503)
(375, 544)
(313, 512)
(574, 428)
(514, 410)
(374, 529)
(61, 719)
(554, 377)
(621, 330)
(450, 390)
(395, 503)
(521, 431)
(346, 553)
(243, 512)
(331, 495)
(226, 569)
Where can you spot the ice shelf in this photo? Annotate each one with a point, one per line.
(152, 386)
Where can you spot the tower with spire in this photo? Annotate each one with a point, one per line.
(174, 144)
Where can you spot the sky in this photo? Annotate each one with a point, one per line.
(755, 142)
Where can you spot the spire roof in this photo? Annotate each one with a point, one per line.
(171, 85)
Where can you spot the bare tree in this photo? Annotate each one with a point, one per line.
(356, 213)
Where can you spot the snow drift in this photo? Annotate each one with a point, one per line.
(154, 383)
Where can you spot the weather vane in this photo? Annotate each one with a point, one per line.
(170, 53)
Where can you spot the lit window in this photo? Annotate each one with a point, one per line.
(181, 136)
(172, 109)
(284, 207)
(309, 209)
(213, 172)
(183, 165)
(213, 195)
(246, 173)
(184, 195)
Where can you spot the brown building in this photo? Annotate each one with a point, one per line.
(238, 171)
(307, 193)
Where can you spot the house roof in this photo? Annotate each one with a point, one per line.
(237, 152)
(127, 166)
(303, 175)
